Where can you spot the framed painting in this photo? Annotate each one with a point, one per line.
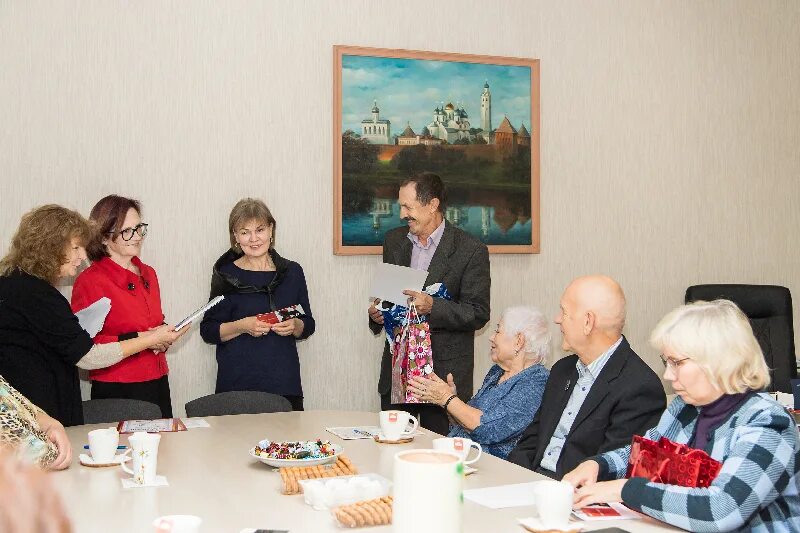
(471, 119)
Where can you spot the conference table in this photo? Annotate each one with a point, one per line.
(211, 475)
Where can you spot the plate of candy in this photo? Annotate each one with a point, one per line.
(295, 453)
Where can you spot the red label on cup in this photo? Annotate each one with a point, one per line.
(458, 445)
(392, 416)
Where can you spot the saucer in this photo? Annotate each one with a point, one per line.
(535, 525)
(381, 438)
(86, 460)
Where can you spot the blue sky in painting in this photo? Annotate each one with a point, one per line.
(408, 90)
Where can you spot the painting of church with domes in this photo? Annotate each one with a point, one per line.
(473, 120)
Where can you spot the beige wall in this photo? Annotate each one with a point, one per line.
(670, 134)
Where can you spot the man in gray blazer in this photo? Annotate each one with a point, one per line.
(453, 257)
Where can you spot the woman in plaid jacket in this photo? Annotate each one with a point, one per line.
(715, 366)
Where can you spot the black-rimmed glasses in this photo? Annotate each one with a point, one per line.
(127, 233)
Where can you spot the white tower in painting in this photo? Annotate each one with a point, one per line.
(376, 130)
(486, 109)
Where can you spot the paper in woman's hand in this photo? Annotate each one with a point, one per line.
(93, 317)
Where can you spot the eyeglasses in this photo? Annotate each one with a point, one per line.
(127, 233)
(674, 364)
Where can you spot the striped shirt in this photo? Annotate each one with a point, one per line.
(421, 254)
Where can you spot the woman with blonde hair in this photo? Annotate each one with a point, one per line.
(717, 369)
(42, 345)
(254, 354)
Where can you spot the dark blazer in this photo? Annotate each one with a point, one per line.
(461, 262)
(626, 399)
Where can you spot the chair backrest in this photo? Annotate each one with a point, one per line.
(769, 308)
(237, 403)
(118, 409)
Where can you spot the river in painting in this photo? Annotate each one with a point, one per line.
(495, 216)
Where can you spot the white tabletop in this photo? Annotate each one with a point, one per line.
(211, 475)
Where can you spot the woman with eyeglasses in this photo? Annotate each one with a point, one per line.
(717, 369)
(42, 345)
(132, 286)
(255, 354)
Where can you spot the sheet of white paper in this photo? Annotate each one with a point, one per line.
(785, 399)
(390, 281)
(93, 317)
(192, 423)
(518, 495)
(355, 433)
(159, 481)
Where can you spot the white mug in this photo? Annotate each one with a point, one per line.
(394, 424)
(416, 506)
(553, 502)
(103, 444)
(459, 446)
(144, 450)
(177, 523)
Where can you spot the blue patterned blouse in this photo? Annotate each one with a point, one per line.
(508, 408)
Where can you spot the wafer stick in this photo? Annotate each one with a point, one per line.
(370, 512)
(377, 511)
(344, 518)
(292, 474)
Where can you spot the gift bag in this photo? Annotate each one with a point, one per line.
(668, 462)
(411, 355)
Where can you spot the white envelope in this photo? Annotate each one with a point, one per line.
(390, 281)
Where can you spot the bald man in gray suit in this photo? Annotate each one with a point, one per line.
(455, 258)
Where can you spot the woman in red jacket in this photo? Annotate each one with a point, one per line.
(132, 286)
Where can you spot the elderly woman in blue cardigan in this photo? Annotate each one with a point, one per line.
(717, 368)
(512, 389)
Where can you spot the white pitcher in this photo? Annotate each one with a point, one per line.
(144, 450)
(427, 491)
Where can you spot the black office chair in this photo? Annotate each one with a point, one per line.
(118, 409)
(769, 308)
(237, 403)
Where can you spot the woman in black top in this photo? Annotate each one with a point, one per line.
(253, 355)
(42, 345)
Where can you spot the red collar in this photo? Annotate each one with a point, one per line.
(123, 277)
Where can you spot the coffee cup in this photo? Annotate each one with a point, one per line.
(553, 502)
(394, 424)
(427, 491)
(144, 448)
(177, 523)
(103, 444)
(459, 446)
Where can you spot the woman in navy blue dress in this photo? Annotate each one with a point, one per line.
(252, 354)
